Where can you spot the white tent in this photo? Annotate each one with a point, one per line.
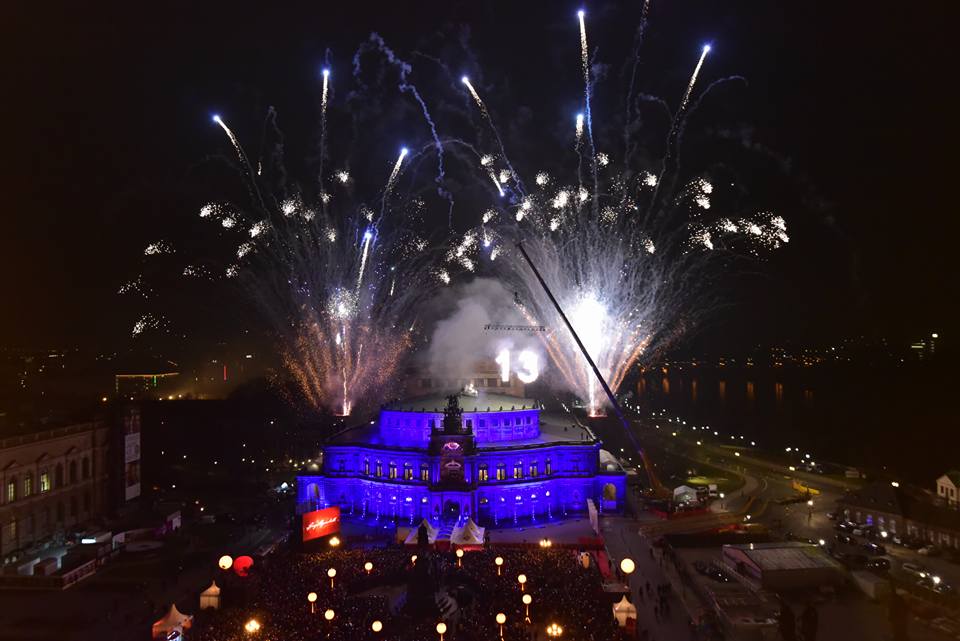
(431, 533)
(685, 494)
(468, 534)
(624, 610)
(210, 598)
(174, 620)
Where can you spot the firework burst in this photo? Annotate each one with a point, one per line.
(631, 261)
(325, 275)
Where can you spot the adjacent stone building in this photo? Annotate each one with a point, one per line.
(53, 479)
(904, 511)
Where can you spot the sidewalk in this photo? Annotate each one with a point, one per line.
(622, 541)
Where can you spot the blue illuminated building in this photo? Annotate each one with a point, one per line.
(498, 459)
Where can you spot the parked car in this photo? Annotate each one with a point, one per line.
(929, 550)
(879, 564)
(854, 561)
(832, 516)
(845, 526)
(914, 569)
(711, 571)
(790, 536)
(940, 587)
(845, 539)
(874, 548)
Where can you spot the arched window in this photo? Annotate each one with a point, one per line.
(483, 473)
(12, 490)
(44, 481)
(424, 472)
(73, 471)
(393, 469)
(85, 468)
(59, 511)
(28, 485)
(547, 468)
(501, 471)
(518, 470)
(379, 468)
(73, 507)
(534, 469)
(341, 465)
(58, 476)
(366, 467)
(407, 471)
(86, 501)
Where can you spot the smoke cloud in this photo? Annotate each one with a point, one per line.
(460, 341)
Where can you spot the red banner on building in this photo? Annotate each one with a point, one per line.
(321, 523)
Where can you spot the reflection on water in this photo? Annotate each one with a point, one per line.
(844, 414)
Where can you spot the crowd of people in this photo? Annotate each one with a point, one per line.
(467, 596)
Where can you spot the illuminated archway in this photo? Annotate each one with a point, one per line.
(609, 492)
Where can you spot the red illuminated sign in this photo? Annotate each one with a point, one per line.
(321, 523)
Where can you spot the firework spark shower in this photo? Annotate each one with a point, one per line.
(631, 259)
(633, 268)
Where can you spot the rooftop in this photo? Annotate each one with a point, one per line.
(482, 402)
(554, 429)
(788, 555)
(903, 501)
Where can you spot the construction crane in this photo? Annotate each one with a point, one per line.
(658, 489)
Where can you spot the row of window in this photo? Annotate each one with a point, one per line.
(11, 528)
(434, 423)
(479, 383)
(391, 470)
(483, 471)
(15, 491)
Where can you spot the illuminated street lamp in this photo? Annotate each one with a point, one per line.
(501, 619)
(376, 626)
(312, 598)
(627, 566)
(441, 628)
(331, 573)
(459, 558)
(527, 600)
(329, 614)
(252, 626)
(521, 580)
(368, 566)
(334, 541)
(225, 562)
(413, 559)
(499, 562)
(554, 631)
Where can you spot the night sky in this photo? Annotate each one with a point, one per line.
(107, 135)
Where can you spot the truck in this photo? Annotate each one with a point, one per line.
(876, 588)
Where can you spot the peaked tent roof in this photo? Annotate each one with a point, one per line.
(431, 533)
(174, 619)
(213, 590)
(468, 534)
